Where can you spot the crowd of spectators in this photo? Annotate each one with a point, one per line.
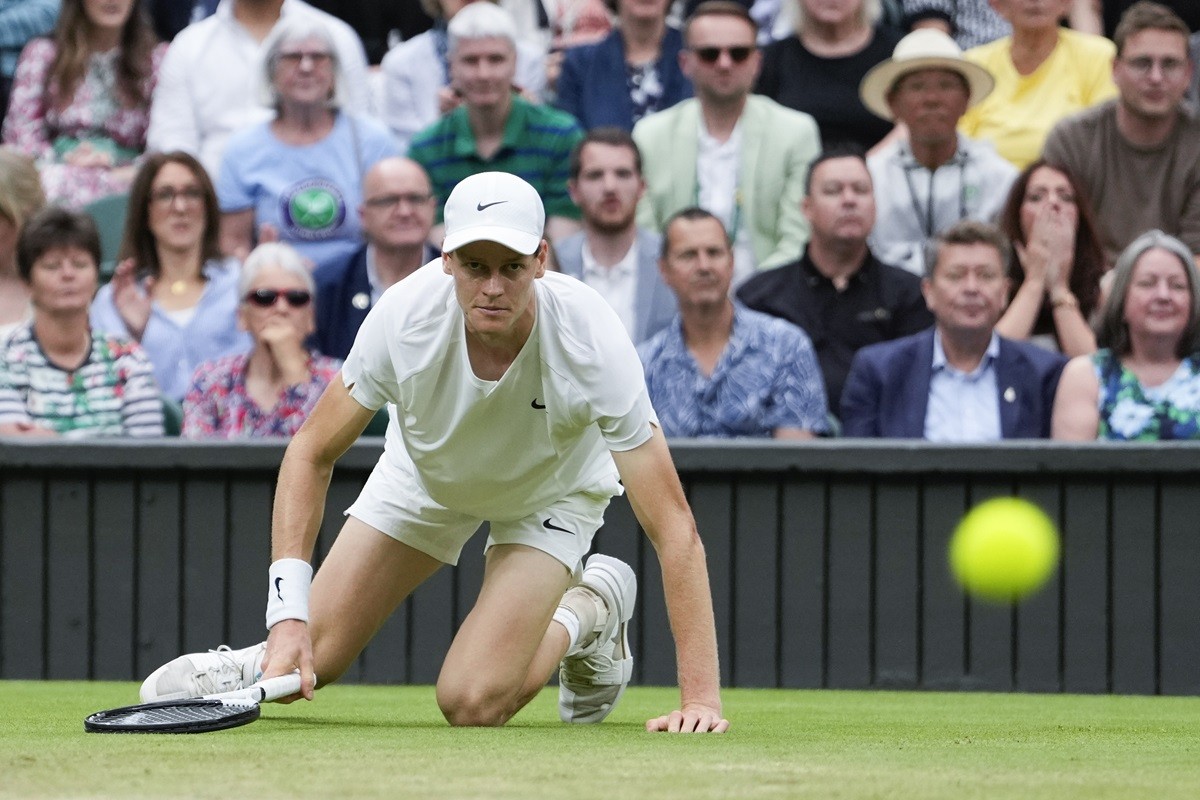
(957, 221)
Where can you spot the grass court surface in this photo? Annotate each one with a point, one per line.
(372, 741)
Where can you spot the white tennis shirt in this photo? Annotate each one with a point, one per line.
(501, 450)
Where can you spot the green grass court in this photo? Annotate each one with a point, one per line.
(372, 741)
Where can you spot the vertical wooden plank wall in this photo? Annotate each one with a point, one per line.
(827, 565)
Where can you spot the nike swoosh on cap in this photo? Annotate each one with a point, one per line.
(484, 206)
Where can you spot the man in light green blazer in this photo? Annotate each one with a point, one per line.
(740, 156)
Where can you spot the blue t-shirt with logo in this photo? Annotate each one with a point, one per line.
(309, 193)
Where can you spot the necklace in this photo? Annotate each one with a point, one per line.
(179, 287)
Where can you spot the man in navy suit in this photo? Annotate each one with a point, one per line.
(397, 215)
(958, 381)
(612, 254)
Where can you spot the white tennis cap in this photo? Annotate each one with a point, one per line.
(494, 207)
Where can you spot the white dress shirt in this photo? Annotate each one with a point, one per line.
(617, 284)
(718, 176)
(963, 406)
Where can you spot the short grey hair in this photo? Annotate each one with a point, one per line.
(481, 21)
(1111, 330)
(871, 13)
(292, 29)
(274, 254)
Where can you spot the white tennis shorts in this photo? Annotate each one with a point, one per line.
(396, 504)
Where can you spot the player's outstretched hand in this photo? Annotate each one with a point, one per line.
(289, 648)
(692, 719)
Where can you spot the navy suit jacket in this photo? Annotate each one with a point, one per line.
(887, 390)
(654, 305)
(343, 300)
(593, 85)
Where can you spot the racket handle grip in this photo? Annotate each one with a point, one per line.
(265, 690)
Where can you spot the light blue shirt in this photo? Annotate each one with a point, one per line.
(175, 350)
(20, 21)
(310, 193)
(963, 406)
(766, 378)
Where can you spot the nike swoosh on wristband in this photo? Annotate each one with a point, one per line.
(534, 404)
(550, 526)
(278, 591)
(483, 206)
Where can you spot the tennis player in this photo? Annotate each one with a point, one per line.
(517, 398)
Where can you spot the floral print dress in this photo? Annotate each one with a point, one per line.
(37, 126)
(1130, 411)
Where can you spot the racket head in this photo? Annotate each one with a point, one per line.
(195, 715)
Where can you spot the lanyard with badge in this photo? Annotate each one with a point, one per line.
(925, 219)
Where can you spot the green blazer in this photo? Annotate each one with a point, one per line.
(778, 144)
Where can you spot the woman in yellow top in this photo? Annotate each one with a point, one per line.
(1043, 73)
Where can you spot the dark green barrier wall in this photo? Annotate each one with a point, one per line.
(827, 563)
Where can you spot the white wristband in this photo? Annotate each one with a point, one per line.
(287, 596)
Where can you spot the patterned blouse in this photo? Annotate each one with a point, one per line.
(1129, 411)
(112, 393)
(218, 407)
(36, 126)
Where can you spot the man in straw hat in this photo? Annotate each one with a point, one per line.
(937, 176)
(516, 397)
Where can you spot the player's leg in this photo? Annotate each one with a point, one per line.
(524, 625)
(364, 578)
(500, 658)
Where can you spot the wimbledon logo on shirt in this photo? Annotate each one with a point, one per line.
(312, 209)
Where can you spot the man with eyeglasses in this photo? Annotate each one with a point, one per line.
(1139, 155)
(397, 216)
(740, 156)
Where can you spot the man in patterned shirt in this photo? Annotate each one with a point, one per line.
(721, 369)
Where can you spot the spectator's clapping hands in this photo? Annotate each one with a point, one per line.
(132, 302)
(85, 155)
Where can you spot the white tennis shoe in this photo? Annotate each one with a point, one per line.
(198, 674)
(592, 681)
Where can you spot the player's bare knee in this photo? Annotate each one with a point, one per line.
(478, 707)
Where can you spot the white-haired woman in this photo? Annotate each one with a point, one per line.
(1144, 381)
(270, 390)
(818, 69)
(298, 178)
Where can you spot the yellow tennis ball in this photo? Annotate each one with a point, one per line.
(1003, 549)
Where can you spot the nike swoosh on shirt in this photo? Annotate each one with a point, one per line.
(535, 404)
(550, 526)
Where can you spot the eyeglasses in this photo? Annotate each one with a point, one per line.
(710, 55)
(294, 59)
(265, 298)
(387, 201)
(167, 195)
(1143, 65)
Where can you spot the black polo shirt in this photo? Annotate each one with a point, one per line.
(880, 302)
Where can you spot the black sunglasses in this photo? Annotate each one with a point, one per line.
(709, 55)
(265, 298)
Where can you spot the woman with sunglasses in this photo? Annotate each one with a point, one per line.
(172, 291)
(270, 390)
(818, 69)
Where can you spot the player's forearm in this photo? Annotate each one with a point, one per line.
(689, 607)
(299, 503)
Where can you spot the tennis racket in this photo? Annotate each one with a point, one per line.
(212, 712)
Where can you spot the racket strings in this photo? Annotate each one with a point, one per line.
(178, 714)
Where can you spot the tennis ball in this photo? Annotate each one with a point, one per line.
(1003, 549)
